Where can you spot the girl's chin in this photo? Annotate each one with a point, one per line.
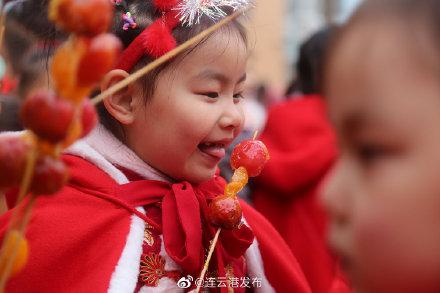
(202, 176)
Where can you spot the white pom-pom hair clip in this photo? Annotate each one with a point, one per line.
(191, 11)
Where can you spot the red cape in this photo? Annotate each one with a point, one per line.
(76, 239)
(302, 147)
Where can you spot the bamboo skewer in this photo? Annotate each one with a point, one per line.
(2, 29)
(208, 259)
(255, 135)
(2, 23)
(161, 60)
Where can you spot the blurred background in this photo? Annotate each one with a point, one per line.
(277, 29)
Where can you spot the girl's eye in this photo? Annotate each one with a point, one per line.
(211, 95)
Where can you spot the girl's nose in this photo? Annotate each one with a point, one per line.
(232, 116)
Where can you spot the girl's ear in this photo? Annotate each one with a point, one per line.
(120, 104)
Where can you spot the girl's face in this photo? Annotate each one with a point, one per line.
(383, 195)
(195, 112)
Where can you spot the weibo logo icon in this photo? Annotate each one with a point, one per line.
(185, 282)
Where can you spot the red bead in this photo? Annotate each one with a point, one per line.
(84, 17)
(13, 156)
(50, 175)
(225, 212)
(250, 154)
(98, 59)
(89, 117)
(48, 116)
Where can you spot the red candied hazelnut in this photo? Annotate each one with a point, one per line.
(48, 116)
(225, 212)
(13, 157)
(250, 154)
(89, 117)
(99, 58)
(83, 17)
(50, 175)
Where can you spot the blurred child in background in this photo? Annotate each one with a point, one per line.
(302, 147)
(30, 39)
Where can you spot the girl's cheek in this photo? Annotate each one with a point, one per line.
(243, 119)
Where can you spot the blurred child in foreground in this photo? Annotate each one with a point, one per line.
(382, 81)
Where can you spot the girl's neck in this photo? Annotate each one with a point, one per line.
(121, 156)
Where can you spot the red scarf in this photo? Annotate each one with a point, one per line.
(184, 220)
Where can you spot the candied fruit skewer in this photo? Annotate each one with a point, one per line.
(40, 171)
(248, 159)
(10, 252)
(10, 246)
(238, 181)
(41, 156)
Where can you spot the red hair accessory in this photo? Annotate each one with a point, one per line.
(165, 5)
(155, 40)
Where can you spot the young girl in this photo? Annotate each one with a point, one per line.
(383, 84)
(134, 216)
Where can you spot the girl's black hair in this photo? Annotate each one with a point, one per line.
(309, 65)
(145, 14)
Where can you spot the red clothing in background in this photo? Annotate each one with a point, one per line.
(302, 148)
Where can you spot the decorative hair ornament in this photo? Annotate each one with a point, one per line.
(191, 11)
(157, 39)
(128, 21)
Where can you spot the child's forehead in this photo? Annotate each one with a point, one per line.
(219, 51)
(372, 55)
(219, 42)
(375, 72)
(385, 42)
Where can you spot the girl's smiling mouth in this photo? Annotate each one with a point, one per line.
(214, 149)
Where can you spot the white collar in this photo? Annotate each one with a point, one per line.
(108, 153)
